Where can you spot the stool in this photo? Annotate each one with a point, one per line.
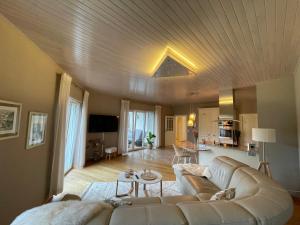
(112, 151)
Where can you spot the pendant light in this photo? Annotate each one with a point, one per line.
(192, 117)
(190, 123)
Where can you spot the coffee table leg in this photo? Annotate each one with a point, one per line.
(136, 189)
(161, 188)
(117, 188)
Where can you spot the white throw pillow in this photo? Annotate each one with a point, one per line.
(227, 194)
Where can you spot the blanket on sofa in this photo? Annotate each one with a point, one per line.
(194, 169)
(60, 213)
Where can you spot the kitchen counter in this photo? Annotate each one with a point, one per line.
(237, 153)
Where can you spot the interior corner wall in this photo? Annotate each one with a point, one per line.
(27, 76)
(276, 109)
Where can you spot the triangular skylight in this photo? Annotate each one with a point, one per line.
(171, 68)
(172, 64)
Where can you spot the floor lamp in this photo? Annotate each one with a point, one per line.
(264, 135)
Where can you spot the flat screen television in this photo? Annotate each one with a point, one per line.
(102, 123)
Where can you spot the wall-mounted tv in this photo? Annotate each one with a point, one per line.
(102, 123)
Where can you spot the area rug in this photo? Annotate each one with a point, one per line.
(106, 190)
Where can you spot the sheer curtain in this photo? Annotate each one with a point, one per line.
(123, 130)
(57, 169)
(79, 159)
(157, 126)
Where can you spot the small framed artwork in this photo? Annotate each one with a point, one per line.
(37, 125)
(10, 117)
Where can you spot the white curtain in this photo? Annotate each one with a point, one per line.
(80, 148)
(57, 169)
(123, 130)
(157, 126)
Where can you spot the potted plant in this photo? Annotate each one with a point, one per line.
(150, 139)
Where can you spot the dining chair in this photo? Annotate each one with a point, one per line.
(181, 154)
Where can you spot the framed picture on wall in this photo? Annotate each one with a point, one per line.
(37, 125)
(10, 116)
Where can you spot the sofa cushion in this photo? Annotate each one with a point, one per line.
(216, 212)
(148, 215)
(101, 218)
(244, 184)
(144, 200)
(221, 169)
(177, 199)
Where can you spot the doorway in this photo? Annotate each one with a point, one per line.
(180, 128)
(140, 123)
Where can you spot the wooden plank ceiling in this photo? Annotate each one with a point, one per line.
(112, 46)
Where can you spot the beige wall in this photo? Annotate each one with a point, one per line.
(297, 94)
(245, 100)
(276, 109)
(103, 104)
(27, 76)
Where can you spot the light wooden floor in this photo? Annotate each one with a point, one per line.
(107, 170)
(77, 180)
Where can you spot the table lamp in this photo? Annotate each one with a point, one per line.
(264, 135)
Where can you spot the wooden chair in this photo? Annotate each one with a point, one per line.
(181, 154)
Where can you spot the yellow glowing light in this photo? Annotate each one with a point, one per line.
(226, 101)
(192, 116)
(176, 56)
(190, 123)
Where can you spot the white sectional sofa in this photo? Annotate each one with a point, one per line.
(258, 201)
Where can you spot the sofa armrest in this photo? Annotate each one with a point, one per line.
(216, 212)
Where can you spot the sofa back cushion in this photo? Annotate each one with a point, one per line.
(221, 169)
(244, 184)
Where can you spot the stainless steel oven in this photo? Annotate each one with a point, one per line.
(227, 133)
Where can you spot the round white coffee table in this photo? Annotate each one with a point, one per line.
(123, 178)
(138, 180)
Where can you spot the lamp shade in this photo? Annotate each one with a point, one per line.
(264, 135)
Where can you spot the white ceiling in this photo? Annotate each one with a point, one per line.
(112, 46)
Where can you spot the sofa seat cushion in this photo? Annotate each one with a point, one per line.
(177, 199)
(144, 200)
(194, 185)
(148, 215)
(216, 212)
